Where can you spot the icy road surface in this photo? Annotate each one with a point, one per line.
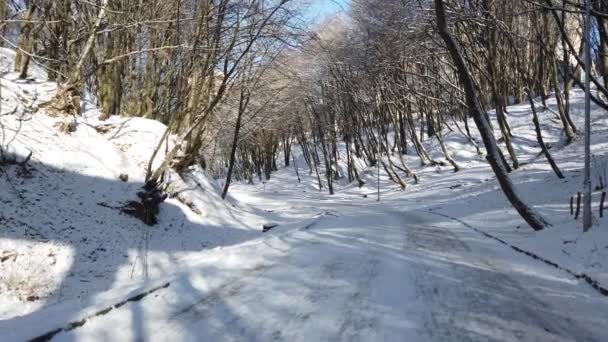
(369, 273)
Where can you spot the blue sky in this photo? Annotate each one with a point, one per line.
(322, 8)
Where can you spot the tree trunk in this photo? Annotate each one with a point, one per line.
(539, 138)
(22, 57)
(235, 142)
(528, 214)
(3, 16)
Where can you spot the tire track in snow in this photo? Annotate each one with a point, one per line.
(358, 314)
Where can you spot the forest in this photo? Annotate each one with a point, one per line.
(488, 115)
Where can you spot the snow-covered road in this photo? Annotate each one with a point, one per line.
(370, 274)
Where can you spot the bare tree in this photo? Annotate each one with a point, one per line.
(528, 214)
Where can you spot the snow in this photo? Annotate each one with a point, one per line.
(478, 200)
(341, 280)
(55, 215)
(342, 267)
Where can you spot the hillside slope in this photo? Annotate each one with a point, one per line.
(62, 236)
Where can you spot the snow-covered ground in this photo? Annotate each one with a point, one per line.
(415, 266)
(60, 235)
(366, 271)
(474, 197)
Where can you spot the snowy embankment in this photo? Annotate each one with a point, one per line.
(474, 197)
(62, 238)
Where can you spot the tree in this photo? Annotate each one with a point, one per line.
(528, 214)
(587, 219)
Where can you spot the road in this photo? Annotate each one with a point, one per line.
(370, 273)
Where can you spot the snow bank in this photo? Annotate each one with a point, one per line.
(62, 237)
